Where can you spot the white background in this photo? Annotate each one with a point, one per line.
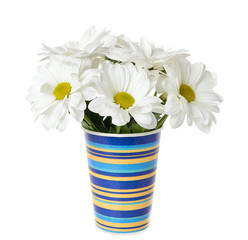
(202, 180)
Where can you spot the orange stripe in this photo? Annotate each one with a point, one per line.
(122, 207)
(110, 201)
(122, 230)
(122, 190)
(122, 161)
(122, 151)
(106, 155)
(131, 195)
(121, 225)
(111, 178)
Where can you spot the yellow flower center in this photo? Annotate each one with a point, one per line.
(124, 99)
(187, 92)
(62, 90)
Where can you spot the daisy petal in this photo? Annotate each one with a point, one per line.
(147, 120)
(88, 93)
(63, 123)
(146, 47)
(103, 106)
(46, 88)
(177, 119)
(208, 82)
(77, 114)
(74, 99)
(120, 117)
(197, 70)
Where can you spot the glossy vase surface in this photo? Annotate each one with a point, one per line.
(122, 171)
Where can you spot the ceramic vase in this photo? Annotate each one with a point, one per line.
(122, 171)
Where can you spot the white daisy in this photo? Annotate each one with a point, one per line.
(190, 94)
(124, 92)
(60, 88)
(123, 49)
(143, 54)
(94, 42)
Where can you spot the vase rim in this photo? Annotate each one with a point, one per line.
(123, 135)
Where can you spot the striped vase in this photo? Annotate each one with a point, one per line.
(122, 172)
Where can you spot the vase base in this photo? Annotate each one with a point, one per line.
(121, 230)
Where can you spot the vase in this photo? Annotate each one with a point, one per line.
(122, 170)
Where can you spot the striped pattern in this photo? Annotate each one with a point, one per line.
(122, 172)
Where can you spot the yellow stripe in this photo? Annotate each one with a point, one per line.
(120, 225)
(111, 178)
(121, 196)
(122, 161)
(106, 155)
(132, 195)
(122, 151)
(110, 201)
(122, 190)
(122, 230)
(122, 207)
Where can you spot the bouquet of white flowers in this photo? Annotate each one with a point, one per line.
(122, 92)
(114, 85)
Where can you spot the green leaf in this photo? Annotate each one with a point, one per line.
(136, 128)
(157, 115)
(95, 120)
(125, 129)
(107, 122)
(112, 129)
(161, 121)
(90, 123)
(86, 126)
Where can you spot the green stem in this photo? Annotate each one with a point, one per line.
(161, 121)
(118, 129)
(103, 125)
(155, 94)
(90, 123)
(110, 129)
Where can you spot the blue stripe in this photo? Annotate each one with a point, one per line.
(122, 220)
(122, 214)
(123, 203)
(122, 184)
(113, 174)
(123, 141)
(131, 231)
(123, 199)
(154, 150)
(124, 228)
(122, 147)
(122, 168)
(122, 192)
(125, 157)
